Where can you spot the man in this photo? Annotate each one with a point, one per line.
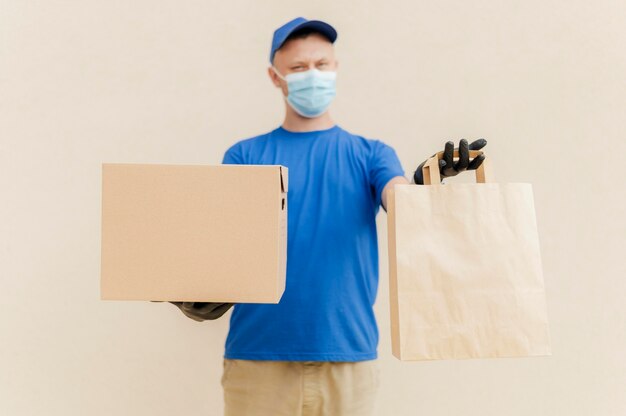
(314, 353)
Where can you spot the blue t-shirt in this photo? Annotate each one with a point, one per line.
(326, 312)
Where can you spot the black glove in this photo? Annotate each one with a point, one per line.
(447, 167)
(201, 311)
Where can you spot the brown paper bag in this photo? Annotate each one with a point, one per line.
(465, 269)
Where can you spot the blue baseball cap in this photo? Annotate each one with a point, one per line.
(282, 33)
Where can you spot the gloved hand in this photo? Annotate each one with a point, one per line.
(447, 167)
(201, 311)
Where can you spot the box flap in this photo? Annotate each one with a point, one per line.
(284, 182)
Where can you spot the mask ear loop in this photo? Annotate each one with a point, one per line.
(278, 73)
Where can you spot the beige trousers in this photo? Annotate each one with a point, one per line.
(299, 388)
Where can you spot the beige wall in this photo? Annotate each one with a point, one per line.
(87, 82)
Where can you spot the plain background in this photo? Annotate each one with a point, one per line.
(86, 82)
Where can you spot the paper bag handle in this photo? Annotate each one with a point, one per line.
(431, 174)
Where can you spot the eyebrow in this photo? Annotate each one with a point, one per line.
(303, 62)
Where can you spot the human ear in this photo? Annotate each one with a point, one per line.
(273, 77)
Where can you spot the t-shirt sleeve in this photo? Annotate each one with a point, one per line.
(383, 165)
(233, 156)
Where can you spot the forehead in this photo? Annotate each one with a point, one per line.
(312, 48)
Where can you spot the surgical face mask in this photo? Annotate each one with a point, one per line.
(309, 92)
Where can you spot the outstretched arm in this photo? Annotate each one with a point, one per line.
(447, 166)
(389, 187)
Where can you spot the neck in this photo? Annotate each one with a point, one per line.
(296, 123)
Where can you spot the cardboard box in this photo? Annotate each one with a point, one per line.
(193, 232)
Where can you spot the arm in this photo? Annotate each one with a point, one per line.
(447, 166)
(389, 187)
